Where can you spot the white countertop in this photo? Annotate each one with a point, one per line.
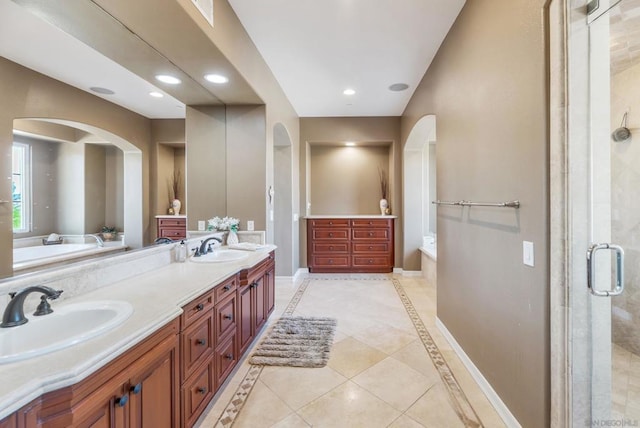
(157, 298)
(350, 216)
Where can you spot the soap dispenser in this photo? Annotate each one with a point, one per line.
(181, 255)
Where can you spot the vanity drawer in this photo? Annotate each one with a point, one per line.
(226, 359)
(197, 393)
(197, 344)
(370, 223)
(330, 222)
(331, 233)
(225, 314)
(196, 309)
(172, 233)
(225, 289)
(331, 261)
(371, 247)
(370, 261)
(332, 247)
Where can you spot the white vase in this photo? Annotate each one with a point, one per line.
(384, 205)
(176, 204)
(232, 238)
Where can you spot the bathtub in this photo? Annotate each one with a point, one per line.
(32, 257)
(428, 260)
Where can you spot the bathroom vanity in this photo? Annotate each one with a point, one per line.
(358, 244)
(171, 226)
(191, 325)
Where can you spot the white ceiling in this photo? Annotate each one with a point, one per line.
(316, 49)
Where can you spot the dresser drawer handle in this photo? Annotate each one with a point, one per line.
(330, 262)
(370, 261)
(229, 356)
(370, 247)
(331, 247)
(201, 342)
(199, 307)
(331, 223)
(226, 288)
(370, 222)
(228, 317)
(370, 233)
(201, 390)
(330, 234)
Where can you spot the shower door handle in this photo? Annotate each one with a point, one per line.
(591, 268)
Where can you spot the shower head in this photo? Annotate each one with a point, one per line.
(621, 134)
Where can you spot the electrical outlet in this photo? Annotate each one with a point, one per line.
(201, 225)
(250, 225)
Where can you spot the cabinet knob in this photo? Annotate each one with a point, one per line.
(200, 307)
(229, 356)
(135, 389)
(226, 288)
(330, 234)
(370, 247)
(330, 261)
(370, 222)
(201, 390)
(331, 223)
(201, 342)
(228, 317)
(330, 247)
(370, 233)
(370, 261)
(122, 401)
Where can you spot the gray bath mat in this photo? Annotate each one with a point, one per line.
(296, 342)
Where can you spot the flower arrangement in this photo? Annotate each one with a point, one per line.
(226, 223)
(108, 233)
(383, 182)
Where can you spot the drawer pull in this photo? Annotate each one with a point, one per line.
(370, 247)
(226, 288)
(228, 317)
(330, 262)
(331, 234)
(229, 356)
(370, 261)
(331, 223)
(136, 389)
(370, 233)
(331, 247)
(200, 307)
(201, 390)
(370, 222)
(201, 342)
(122, 401)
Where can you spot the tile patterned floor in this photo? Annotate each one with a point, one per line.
(389, 366)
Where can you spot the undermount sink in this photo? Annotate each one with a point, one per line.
(66, 326)
(221, 256)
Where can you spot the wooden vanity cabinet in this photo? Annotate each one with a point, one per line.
(364, 245)
(138, 389)
(9, 422)
(171, 227)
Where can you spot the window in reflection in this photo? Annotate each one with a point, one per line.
(20, 176)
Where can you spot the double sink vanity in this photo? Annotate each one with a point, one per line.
(150, 348)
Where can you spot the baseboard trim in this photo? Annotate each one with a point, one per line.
(501, 408)
(403, 272)
(300, 273)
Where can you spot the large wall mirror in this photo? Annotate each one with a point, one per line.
(70, 182)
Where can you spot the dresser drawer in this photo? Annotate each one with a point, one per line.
(371, 234)
(197, 344)
(197, 393)
(370, 223)
(331, 261)
(371, 261)
(172, 233)
(172, 222)
(196, 309)
(330, 247)
(331, 234)
(330, 222)
(371, 247)
(226, 314)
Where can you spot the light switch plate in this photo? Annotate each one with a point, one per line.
(527, 253)
(250, 225)
(201, 225)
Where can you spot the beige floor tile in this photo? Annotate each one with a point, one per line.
(262, 409)
(405, 421)
(348, 406)
(350, 357)
(415, 356)
(298, 386)
(291, 421)
(385, 338)
(434, 409)
(394, 382)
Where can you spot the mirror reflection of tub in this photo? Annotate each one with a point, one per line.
(30, 253)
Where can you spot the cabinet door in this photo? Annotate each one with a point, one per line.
(270, 283)
(259, 292)
(109, 410)
(246, 321)
(9, 422)
(154, 390)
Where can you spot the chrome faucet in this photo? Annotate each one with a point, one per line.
(99, 240)
(163, 240)
(14, 313)
(203, 246)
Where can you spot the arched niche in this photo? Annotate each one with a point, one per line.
(418, 188)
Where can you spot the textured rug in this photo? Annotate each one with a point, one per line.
(296, 342)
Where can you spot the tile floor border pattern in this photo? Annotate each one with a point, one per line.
(461, 404)
(239, 398)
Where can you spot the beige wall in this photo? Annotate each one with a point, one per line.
(344, 180)
(487, 89)
(28, 94)
(357, 129)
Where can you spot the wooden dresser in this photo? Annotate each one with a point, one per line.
(350, 244)
(172, 226)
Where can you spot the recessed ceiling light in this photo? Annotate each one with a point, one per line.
(156, 94)
(349, 91)
(349, 144)
(103, 91)
(216, 78)
(165, 78)
(398, 87)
